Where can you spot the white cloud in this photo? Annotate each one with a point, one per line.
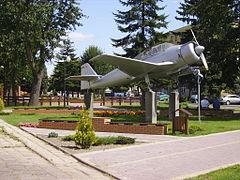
(77, 36)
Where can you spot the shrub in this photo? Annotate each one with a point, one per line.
(104, 141)
(124, 140)
(52, 134)
(113, 140)
(85, 136)
(1, 105)
(68, 138)
(4, 113)
(194, 128)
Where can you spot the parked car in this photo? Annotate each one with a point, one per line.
(163, 97)
(230, 99)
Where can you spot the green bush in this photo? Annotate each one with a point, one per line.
(52, 134)
(68, 138)
(85, 136)
(113, 140)
(124, 140)
(4, 113)
(104, 141)
(1, 105)
(194, 128)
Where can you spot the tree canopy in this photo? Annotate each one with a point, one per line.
(37, 27)
(216, 24)
(64, 69)
(100, 67)
(141, 23)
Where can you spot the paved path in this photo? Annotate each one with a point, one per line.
(163, 157)
(33, 159)
(174, 159)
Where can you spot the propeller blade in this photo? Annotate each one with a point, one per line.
(204, 61)
(194, 37)
(199, 49)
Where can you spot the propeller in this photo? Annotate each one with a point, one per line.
(199, 50)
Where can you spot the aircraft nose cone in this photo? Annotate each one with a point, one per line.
(199, 49)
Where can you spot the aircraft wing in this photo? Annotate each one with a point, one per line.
(83, 77)
(131, 66)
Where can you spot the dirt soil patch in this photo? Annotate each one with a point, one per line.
(71, 148)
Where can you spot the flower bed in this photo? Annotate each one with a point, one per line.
(28, 125)
(110, 113)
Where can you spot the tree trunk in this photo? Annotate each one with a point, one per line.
(36, 87)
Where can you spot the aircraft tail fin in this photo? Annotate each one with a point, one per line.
(88, 75)
(86, 69)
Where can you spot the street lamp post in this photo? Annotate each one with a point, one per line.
(199, 79)
(68, 59)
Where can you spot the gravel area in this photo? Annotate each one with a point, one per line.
(71, 148)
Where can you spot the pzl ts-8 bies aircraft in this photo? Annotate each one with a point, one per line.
(162, 61)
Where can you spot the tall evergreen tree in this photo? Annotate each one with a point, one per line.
(216, 24)
(72, 68)
(141, 23)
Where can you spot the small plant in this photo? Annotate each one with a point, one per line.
(52, 134)
(1, 105)
(194, 128)
(85, 136)
(113, 140)
(104, 141)
(68, 138)
(124, 140)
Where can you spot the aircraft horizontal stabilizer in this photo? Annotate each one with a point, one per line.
(84, 77)
(133, 67)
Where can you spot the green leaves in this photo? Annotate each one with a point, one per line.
(141, 23)
(216, 24)
(85, 136)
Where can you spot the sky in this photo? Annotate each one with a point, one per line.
(99, 27)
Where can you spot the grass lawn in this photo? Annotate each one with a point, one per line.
(232, 172)
(12, 107)
(161, 105)
(15, 119)
(209, 124)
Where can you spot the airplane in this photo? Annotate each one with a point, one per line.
(162, 61)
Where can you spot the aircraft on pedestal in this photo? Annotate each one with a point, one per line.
(162, 61)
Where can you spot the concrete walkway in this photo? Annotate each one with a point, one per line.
(174, 159)
(30, 158)
(162, 157)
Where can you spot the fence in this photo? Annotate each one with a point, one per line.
(43, 101)
(58, 100)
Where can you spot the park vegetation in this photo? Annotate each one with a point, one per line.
(32, 30)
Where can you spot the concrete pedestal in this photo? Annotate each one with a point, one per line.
(173, 104)
(151, 107)
(88, 100)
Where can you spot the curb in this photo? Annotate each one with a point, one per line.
(64, 151)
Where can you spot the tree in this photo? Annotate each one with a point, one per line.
(100, 67)
(39, 26)
(216, 24)
(72, 68)
(141, 23)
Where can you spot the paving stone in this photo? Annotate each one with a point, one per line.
(20, 162)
